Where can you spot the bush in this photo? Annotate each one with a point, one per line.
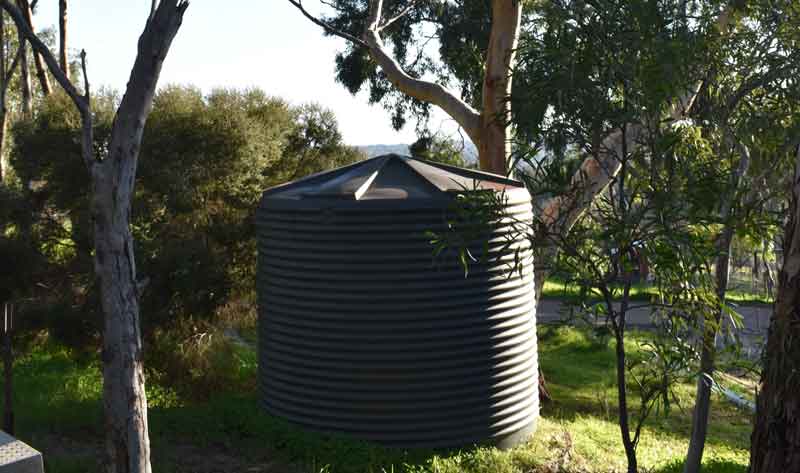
(205, 161)
(199, 361)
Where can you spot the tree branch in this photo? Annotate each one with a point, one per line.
(330, 29)
(431, 92)
(85, 76)
(41, 48)
(466, 116)
(81, 102)
(402, 13)
(154, 43)
(559, 213)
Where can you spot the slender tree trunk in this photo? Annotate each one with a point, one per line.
(697, 440)
(775, 443)
(495, 143)
(3, 161)
(756, 265)
(25, 81)
(41, 73)
(5, 166)
(769, 281)
(62, 37)
(622, 395)
(710, 329)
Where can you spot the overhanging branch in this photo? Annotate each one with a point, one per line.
(39, 47)
(327, 27)
(466, 116)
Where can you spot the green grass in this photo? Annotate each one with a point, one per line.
(58, 410)
(555, 288)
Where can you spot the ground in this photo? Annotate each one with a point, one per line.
(58, 411)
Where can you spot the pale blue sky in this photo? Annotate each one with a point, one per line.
(263, 43)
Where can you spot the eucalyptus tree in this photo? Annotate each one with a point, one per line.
(613, 70)
(388, 52)
(41, 73)
(8, 65)
(775, 443)
(62, 37)
(748, 116)
(113, 171)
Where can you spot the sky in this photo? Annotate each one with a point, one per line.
(251, 43)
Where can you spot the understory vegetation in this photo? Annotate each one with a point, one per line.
(213, 421)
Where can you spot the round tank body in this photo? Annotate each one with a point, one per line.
(364, 331)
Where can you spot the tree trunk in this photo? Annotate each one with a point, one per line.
(775, 443)
(124, 399)
(44, 81)
(25, 81)
(5, 166)
(62, 37)
(769, 281)
(622, 396)
(756, 265)
(494, 148)
(697, 441)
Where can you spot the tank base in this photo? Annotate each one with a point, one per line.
(515, 438)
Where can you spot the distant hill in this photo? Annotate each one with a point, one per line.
(376, 150)
(470, 153)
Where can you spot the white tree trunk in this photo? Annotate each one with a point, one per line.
(62, 37)
(494, 147)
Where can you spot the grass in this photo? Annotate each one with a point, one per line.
(556, 288)
(58, 410)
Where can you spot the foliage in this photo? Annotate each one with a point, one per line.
(204, 162)
(440, 149)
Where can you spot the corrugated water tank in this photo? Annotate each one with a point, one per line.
(363, 332)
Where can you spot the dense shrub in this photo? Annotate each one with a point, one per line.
(204, 162)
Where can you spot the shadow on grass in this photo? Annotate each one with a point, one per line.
(54, 395)
(579, 367)
(239, 424)
(709, 466)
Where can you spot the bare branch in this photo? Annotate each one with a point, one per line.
(81, 102)
(38, 46)
(330, 29)
(402, 13)
(375, 12)
(425, 91)
(85, 76)
(431, 92)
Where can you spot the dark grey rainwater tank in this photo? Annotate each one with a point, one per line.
(363, 332)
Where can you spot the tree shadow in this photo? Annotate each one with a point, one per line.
(713, 465)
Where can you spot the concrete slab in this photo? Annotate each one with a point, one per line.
(18, 457)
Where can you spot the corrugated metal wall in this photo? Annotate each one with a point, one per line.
(363, 332)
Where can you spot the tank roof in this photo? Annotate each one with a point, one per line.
(391, 177)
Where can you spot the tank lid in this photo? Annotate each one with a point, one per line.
(391, 176)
